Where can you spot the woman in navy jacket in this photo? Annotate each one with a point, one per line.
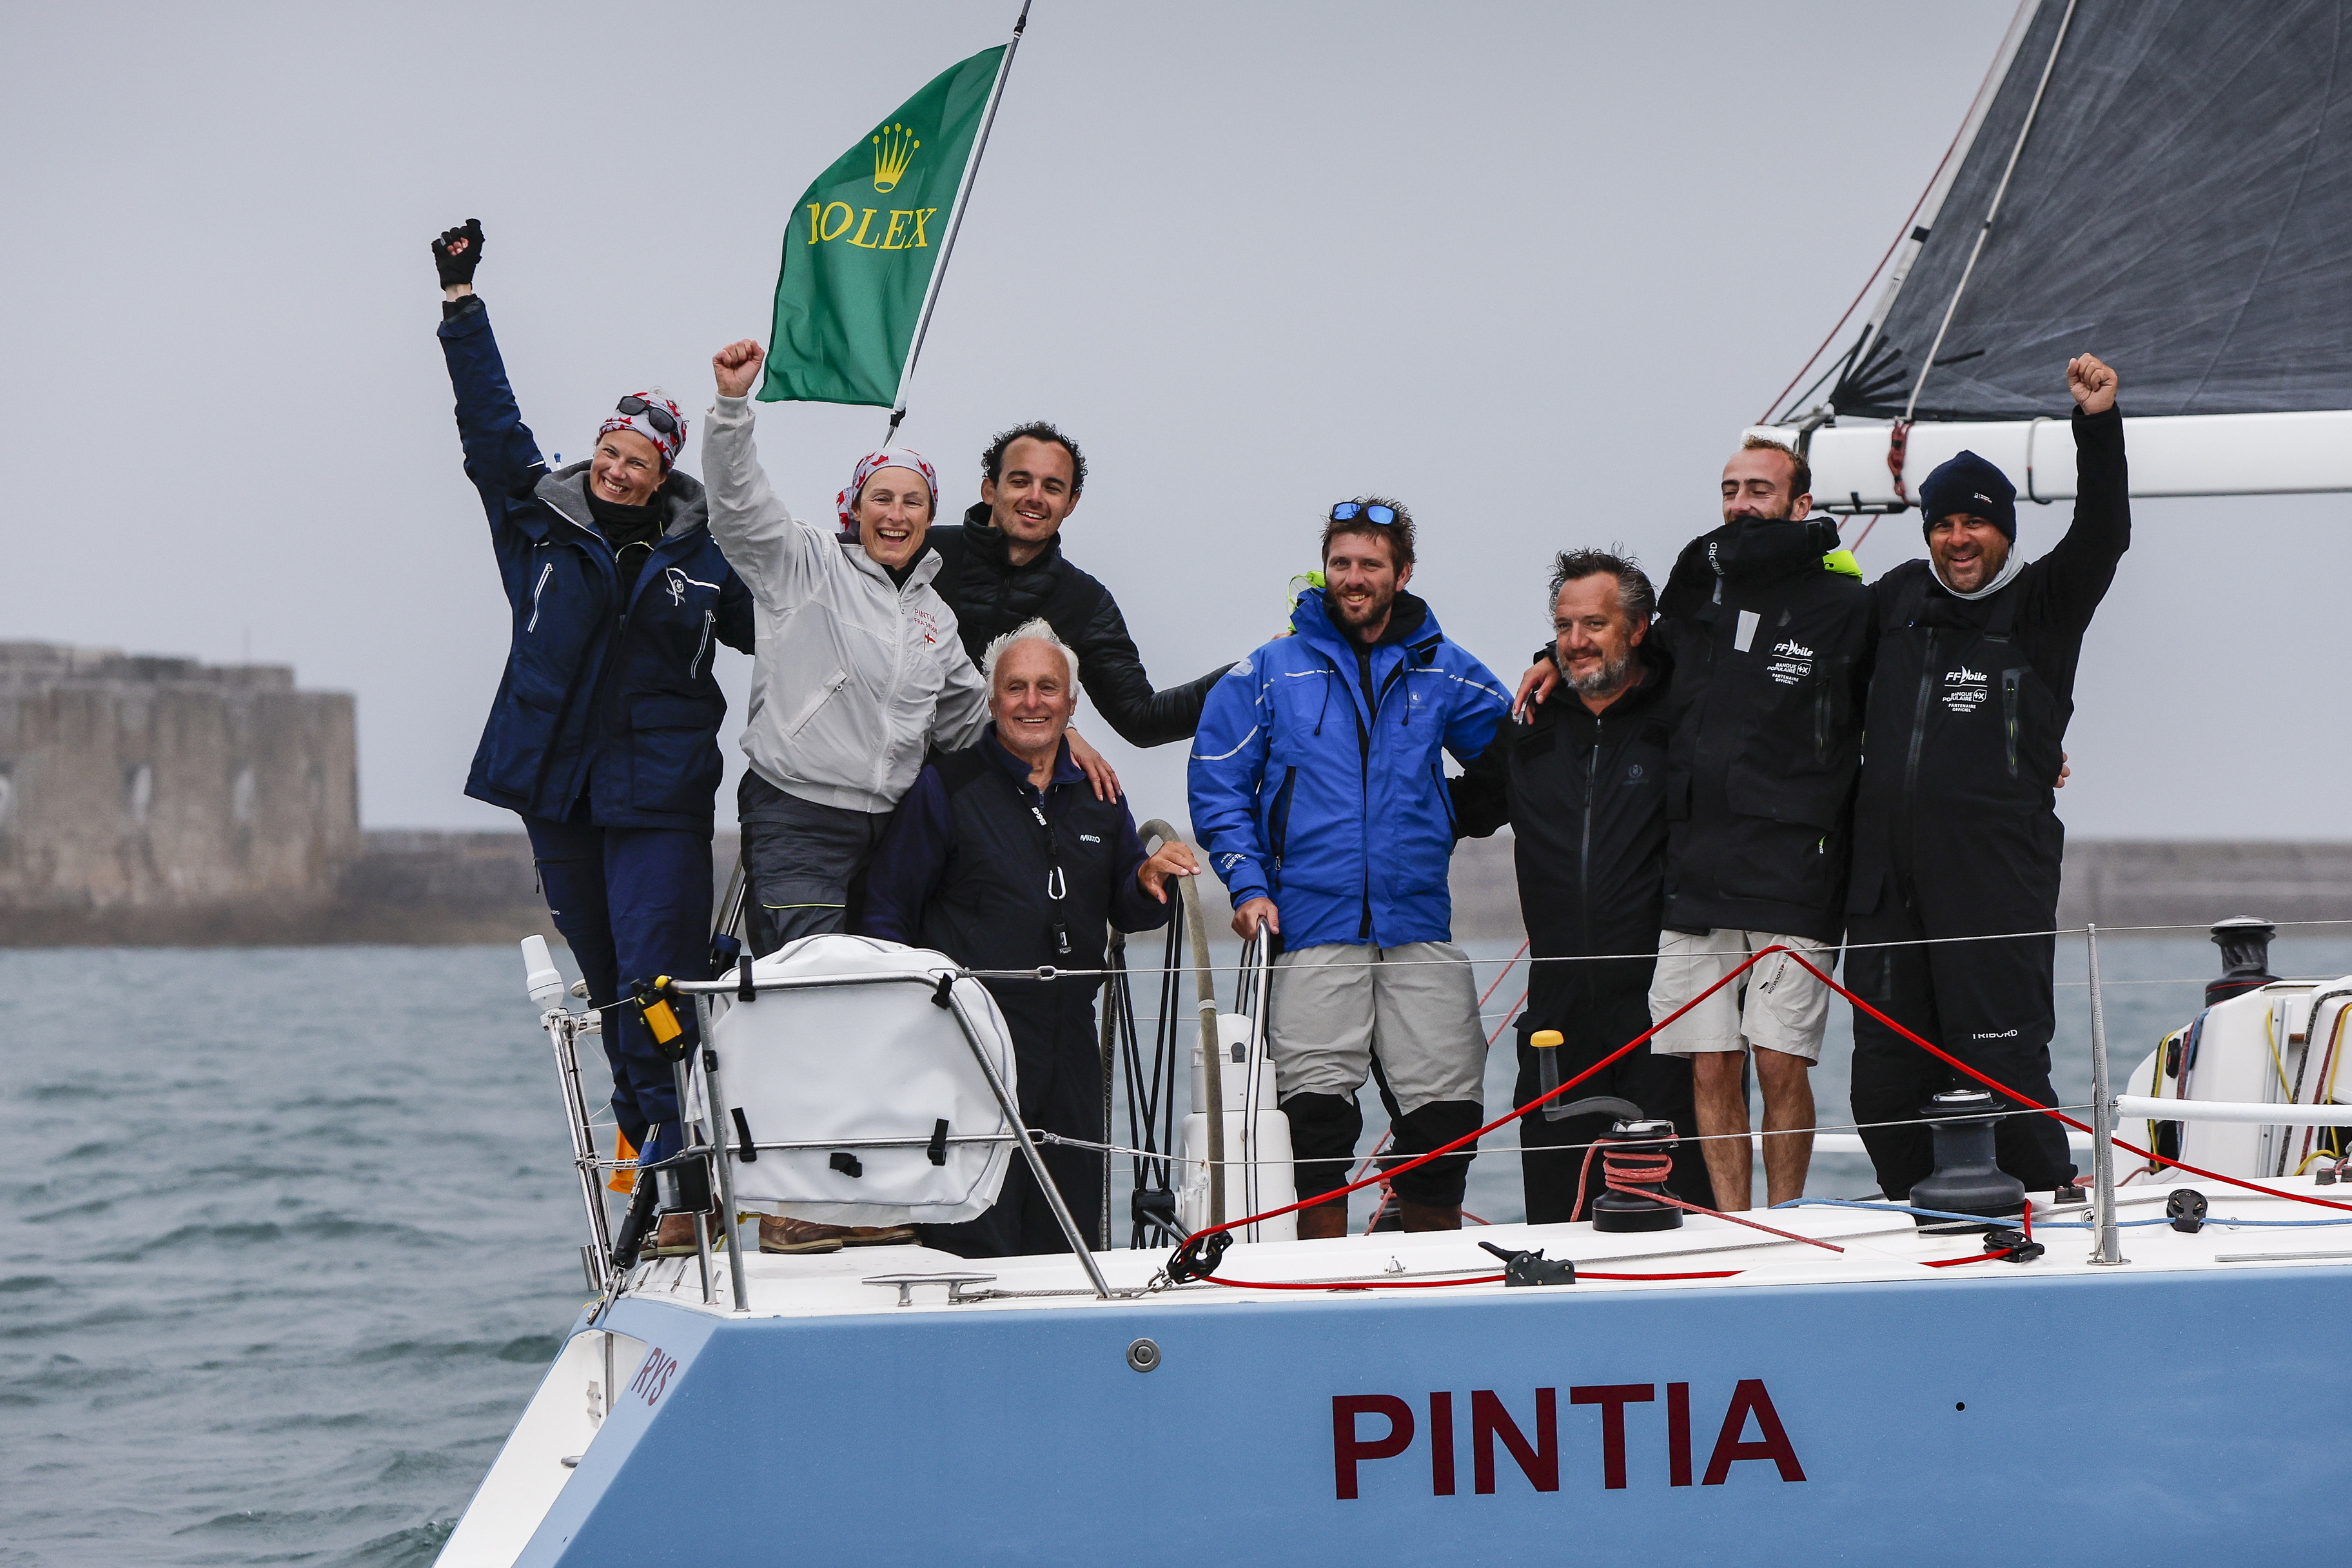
(604, 735)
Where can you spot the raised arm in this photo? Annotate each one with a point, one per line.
(503, 457)
(773, 551)
(2080, 567)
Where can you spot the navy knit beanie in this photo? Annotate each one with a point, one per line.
(1969, 485)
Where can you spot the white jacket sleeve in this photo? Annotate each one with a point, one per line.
(962, 711)
(775, 554)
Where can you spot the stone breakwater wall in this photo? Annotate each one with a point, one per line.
(414, 887)
(143, 797)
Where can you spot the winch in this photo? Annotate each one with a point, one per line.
(1966, 1179)
(1637, 1157)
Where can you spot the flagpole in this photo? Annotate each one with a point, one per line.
(955, 222)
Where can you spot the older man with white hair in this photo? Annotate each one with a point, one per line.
(1003, 858)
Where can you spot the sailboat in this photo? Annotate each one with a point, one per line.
(2139, 1369)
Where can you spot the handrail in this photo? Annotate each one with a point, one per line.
(1211, 1054)
(2146, 1108)
(1251, 986)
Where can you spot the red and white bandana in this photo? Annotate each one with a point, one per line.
(868, 467)
(643, 425)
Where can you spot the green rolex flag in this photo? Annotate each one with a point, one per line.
(864, 242)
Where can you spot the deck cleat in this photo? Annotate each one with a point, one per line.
(2185, 1207)
(1532, 1267)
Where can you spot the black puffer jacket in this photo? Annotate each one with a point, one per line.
(990, 596)
(1771, 655)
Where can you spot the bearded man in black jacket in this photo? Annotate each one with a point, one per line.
(1005, 566)
(1955, 832)
(1583, 786)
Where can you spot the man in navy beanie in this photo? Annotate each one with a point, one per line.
(1955, 834)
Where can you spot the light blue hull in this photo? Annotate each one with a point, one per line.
(2174, 1417)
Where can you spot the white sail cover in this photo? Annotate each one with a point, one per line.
(841, 1067)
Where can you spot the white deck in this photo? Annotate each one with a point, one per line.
(1879, 1247)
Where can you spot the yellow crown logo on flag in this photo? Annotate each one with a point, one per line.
(894, 148)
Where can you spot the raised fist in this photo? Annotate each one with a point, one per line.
(2092, 383)
(736, 366)
(457, 252)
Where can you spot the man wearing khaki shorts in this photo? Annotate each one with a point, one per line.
(1776, 1011)
(1768, 624)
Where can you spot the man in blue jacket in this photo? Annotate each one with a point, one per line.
(604, 734)
(1319, 790)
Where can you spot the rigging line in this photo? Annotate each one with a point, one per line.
(1984, 231)
(1925, 191)
(1864, 292)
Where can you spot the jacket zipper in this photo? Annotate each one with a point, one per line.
(1584, 848)
(1919, 723)
(897, 673)
(1281, 817)
(2009, 678)
(1364, 786)
(545, 571)
(710, 619)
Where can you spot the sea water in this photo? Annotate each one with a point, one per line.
(290, 1234)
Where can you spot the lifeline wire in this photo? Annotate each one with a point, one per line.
(1554, 1149)
(1047, 972)
(1185, 1253)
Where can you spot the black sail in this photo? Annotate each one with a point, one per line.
(2182, 207)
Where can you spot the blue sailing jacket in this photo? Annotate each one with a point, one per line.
(1332, 803)
(608, 691)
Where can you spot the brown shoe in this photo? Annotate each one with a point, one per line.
(673, 1238)
(1430, 1217)
(780, 1234)
(878, 1235)
(1324, 1222)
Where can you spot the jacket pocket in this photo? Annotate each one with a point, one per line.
(1797, 762)
(825, 694)
(1278, 819)
(674, 764)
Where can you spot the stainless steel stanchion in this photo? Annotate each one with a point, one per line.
(2102, 1117)
(724, 1164)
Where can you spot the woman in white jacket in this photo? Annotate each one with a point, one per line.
(858, 671)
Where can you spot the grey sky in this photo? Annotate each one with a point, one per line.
(1529, 268)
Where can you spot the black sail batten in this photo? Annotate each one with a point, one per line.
(2181, 207)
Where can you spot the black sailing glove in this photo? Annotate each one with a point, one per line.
(457, 252)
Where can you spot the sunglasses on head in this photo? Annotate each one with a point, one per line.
(1349, 511)
(658, 416)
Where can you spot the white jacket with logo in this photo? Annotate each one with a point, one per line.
(856, 677)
